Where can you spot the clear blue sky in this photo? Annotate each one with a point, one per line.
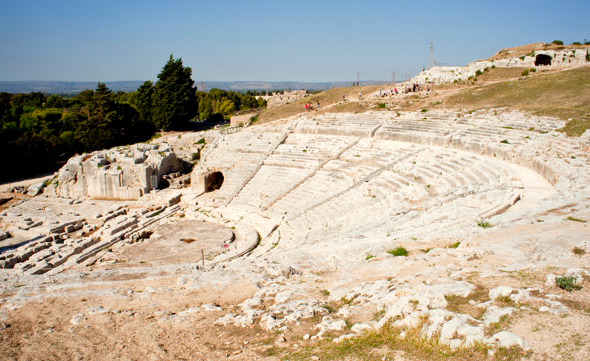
(302, 40)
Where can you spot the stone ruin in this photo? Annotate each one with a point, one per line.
(538, 58)
(118, 173)
(331, 194)
(278, 99)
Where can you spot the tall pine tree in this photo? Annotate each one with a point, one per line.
(174, 96)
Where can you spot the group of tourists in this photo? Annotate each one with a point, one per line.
(309, 106)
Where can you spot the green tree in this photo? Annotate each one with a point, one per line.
(174, 96)
(205, 109)
(142, 100)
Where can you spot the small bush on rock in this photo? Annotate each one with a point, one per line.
(483, 223)
(399, 251)
(579, 251)
(567, 283)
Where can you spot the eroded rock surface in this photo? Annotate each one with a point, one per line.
(118, 173)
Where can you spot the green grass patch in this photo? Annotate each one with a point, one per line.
(484, 223)
(567, 283)
(570, 218)
(398, 252)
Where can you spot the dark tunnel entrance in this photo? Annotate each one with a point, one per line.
(542, 59)
(213, 181)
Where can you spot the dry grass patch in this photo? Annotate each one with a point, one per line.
(528, 49)
(326, 98)
(392, 343)
(497, 74)
(460, 304)
(565, 95)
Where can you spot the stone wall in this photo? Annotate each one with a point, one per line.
(118, 173)
(449, 74)
(276, 100)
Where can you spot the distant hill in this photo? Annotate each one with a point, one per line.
(67, 87)
(64, 87)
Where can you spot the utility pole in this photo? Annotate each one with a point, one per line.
(431, 58)
(357, 79)
(393, 78)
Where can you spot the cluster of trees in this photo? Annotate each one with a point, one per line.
(174, 100)
(39, 132)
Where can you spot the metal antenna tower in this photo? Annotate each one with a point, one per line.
(357, 78)
(202, 86)
(431, 57)
(393, 78)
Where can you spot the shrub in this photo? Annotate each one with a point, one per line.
(424, 110)
(570, 218)
(557, 42)
(505, 141)
(533, 70)
(478, 72)
(567, 283)
(399, 251)
(576, 43)
(524, 73)
(579, 251)
(201, 141)
(381, 105)
(483, 223)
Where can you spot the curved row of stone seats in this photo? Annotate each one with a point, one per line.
(268, 183)
(322, 185)
(345, 125)
(341, 215)
(335, 216)
(247, 238)
(377, 185)
(373, 152)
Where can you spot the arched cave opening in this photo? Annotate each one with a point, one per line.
(213, 181)
(542, 59)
